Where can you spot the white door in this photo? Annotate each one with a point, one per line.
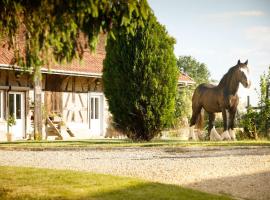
(95, 114)
(16, 106)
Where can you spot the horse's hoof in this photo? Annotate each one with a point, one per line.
(214, 136)
(232, 134)
(225, 135)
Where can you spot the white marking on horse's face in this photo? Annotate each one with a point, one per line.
(245, 70)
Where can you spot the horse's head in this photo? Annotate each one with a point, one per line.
(243, 74)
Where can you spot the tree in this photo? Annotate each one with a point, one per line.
(140, 77)
(198, 71)
(52, 31)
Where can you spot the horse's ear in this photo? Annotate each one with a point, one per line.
(246, 62)
(239, 62)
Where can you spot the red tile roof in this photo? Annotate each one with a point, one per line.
(91, 62)
(184, 78)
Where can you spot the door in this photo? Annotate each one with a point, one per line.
(95, 114)
(16, 106)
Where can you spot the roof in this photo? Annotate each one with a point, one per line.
(91, 63)
(184, 79)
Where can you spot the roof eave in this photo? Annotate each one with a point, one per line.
(59, 72)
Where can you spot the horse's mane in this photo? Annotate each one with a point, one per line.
(227, 77)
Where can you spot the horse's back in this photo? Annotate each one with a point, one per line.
(206, 86)
(206, 95)
(202, 88)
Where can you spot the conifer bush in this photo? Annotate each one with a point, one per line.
(140, 80)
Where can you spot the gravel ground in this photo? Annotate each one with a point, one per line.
(243, 172)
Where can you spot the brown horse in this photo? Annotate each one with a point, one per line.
(221, 98)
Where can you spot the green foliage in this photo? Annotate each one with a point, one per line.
(11, 121)
(198, 71)
(140, 77)
(259, 122)
(52, 30)
(183, 106)
(264, 122)
(250, 123)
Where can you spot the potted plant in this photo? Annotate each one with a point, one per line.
(10, 122)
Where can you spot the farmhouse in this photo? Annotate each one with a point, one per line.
(73, 102)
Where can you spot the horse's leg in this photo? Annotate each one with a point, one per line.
(213, 134)
(225, 135)
(212, 117)
(196, 110)
(231, 124)
(195, 114)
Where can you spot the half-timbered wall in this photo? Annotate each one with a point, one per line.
(68, 96)
(63, 95)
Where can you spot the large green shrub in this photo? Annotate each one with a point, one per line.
(140, 77)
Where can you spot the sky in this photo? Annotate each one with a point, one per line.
(219, 32)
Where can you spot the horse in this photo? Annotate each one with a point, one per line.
(219, 98)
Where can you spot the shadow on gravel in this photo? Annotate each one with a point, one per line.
(215, 152)
(251, 186)
(203, 152)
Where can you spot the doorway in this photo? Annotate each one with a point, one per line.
(16, 106)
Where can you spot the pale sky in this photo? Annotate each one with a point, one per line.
(219, 32)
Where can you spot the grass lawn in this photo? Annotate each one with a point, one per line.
(111, 143)
(43, 184)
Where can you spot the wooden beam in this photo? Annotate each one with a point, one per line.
(37, 102)
(19, 88)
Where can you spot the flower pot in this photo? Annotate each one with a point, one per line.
(9, 137)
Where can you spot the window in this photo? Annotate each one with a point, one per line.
(94, 108)
(11, 104)
(18, 106)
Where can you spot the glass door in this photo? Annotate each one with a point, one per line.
(95, 114)
(17, 110)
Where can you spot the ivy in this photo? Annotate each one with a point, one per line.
(52, 29)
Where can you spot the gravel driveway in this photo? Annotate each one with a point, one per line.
(241, 172)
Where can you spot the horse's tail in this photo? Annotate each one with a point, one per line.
(200, 120)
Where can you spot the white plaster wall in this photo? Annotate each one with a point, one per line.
(105, 116)
(3, 130)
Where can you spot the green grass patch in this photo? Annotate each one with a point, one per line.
(111, 143)
(47, 184)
